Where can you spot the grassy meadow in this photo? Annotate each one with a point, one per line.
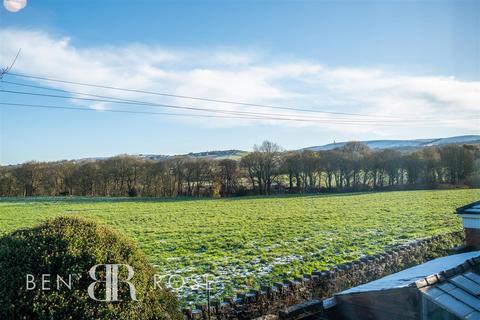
(253, 240)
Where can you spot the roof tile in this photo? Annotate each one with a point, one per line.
(446, 286)
(466, 284)
(434, 293)
(473, 276)
(473, 316)
(470, 208)
(453, 305)
(466, 298)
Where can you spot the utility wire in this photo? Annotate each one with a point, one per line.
(123, 102)
(146, 112)
(228, 112)
(160, 113)
(147, 103)
(153, 104)
(117, 111)
(8, 104)
(191, 97)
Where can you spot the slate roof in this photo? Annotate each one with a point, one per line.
(472, 208)
(414, 276)
(459, 295)
(456, 290)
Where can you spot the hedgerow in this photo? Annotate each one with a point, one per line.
(71, 246)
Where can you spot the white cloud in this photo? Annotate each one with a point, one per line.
(233, 74)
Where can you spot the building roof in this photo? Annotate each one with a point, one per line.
(459, 295)
(410, 276)
(472, 208)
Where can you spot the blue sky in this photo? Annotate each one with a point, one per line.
(397, 60)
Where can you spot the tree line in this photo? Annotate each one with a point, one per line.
(266, 170)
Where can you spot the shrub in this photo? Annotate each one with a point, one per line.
(64, 246)
(215, 190)
(132, 192)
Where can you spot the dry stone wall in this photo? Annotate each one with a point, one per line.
(323, 284)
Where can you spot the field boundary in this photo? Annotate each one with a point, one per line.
(325, 283)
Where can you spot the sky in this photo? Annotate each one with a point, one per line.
(379, 69)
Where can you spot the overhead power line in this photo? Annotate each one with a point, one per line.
(142, 104)
(145, 112)
(252, 115)
(152, 104)
(191, 97)
(229, 114)
(117, 111)
(121, 101)
(9, 104)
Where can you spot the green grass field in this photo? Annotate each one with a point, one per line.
(249, 241)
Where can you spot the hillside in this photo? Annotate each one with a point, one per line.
(220, 154)
(404, 144)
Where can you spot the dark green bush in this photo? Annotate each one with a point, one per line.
(64, 246)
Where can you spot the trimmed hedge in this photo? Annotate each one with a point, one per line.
(64, 246)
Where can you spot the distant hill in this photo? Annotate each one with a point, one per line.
(219, 154)
(404, 144)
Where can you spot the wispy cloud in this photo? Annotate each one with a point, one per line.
(243, 75)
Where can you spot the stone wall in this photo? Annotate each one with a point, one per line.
(323, 284)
